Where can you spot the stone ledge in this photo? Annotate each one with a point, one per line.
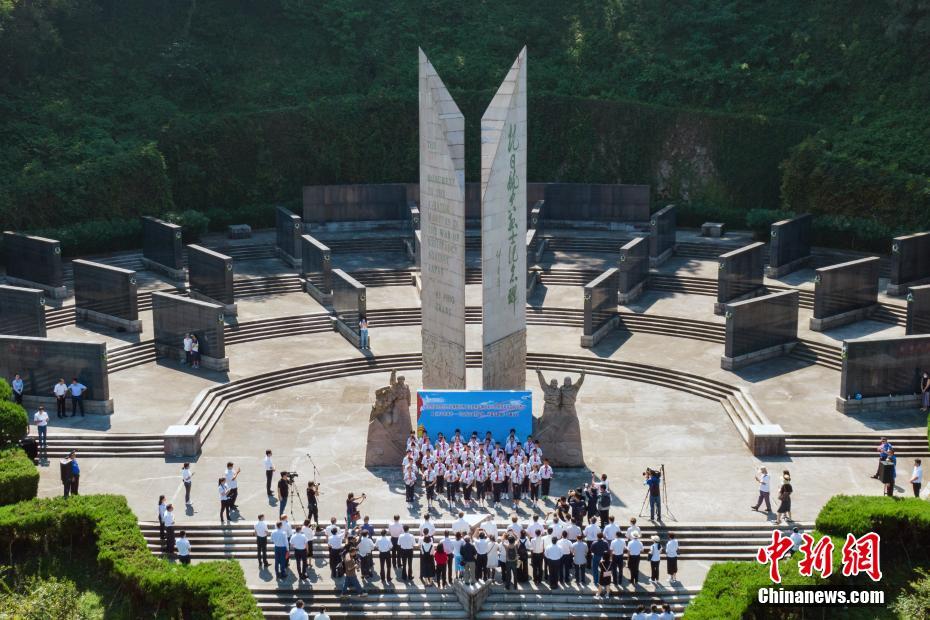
(633, 294)
(319, 296)
(740, 361)
(96, 407)
(605, 329)
(53, 292)
(655, 261)
(877, 403)
(178, 275)
(239, 231)
(92, 316)
(783, 270)
(290, 261)
(712, 229)
(767, 439)
(182, 440)
(843, 318)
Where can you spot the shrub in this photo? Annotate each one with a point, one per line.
(50, 597)
(915, 603)
(194, 224)
(210, 589)
(19, 477)
(14, 425)
(6, 392)
(96, 236)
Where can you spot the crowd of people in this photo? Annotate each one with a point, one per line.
(61, 390)
(473, 471)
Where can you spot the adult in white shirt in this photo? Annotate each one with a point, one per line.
(426, 526)
(515, 527)
(183, 546)
(188, 345)
(269, 472)
(41, 421)
(535, 528)
(639, 614)
(633, 530)
(461, 525)
(634, 548)
(261, 541)
(365, 548)
(490, 528)
(169, 528)
(482, 546)
(565, 544)
(494, 559)
(617, 549)
(406, 542)
(60, 390)
(297, 612)
(591, 531)
(537, 547)
(385, 556)
(762, 477)
(671, 556)
(611, 529)
(322, 615)
(553, 555)
(279, 539)
(655, 556)
(335, 542)
(231, 474)
(395, 529)
(917, 477)
(187, 477)
(299, 545)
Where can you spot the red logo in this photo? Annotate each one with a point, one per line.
(780, 547)
(860, 555)
(817, 557)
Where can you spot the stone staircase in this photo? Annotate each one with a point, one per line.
(567, 603)
(857, 445)
(402, 603)
(106, 445)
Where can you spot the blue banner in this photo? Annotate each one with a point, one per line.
(480, 411)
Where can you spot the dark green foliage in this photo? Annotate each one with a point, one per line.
(6, 392)
(13, 423)
(105, 522)
(116, 109)
(19, 478)
(729, 590)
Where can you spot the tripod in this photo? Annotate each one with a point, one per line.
(292, 491)
(663, 496)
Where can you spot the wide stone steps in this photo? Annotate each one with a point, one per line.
(855, 445)
(598, 245)
(130, 355)
(818, 353)
(576, 603)
(365, 245)
(384, 277)
(106, 445)
(403, 603)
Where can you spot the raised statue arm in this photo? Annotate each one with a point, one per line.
(393, 377)
(580, 381)
(542, 380)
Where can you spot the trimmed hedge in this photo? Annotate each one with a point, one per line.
(19, 477)
(207, 590)
(729, 590)
(14, 424)
(6, 392)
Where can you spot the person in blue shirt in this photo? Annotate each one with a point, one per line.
(883, 447)
(77, 396)
(75, 472)
(655, 499)
(18, 387)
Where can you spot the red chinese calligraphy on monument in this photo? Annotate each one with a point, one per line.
(817, 557)
(780, 547)
(861, 555)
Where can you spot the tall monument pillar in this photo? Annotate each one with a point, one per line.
(503, 233)
(442, 224)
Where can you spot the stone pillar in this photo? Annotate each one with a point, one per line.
(22, 311)
(442, 232)
(106, 295)
(211, 277)
(503, 231)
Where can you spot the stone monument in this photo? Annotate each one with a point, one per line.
(503, 233)
(442, 228)
(558, 429)
(389, 424)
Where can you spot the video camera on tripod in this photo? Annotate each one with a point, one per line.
(289, 476)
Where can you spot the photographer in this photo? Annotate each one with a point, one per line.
(313, 509)
(352, 514)
(653, 482)
(283, 491)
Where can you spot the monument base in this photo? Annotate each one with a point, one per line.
(898, 290)
(560, 438)
(783, 270)
(712, 229)
(605, 329)
(96, 407)
(219, 364)
(123, 325)
(228, 309)
(387, 443)
(766, 439)
(740, 361)
(720, 307)
(844, 318)
(347, 332)
(290, 261)
(182, 440)
(632, 295)
(655, 261)
(321, 298)
(178, 275)
(472, 596)
(53, 292)
(877, 403)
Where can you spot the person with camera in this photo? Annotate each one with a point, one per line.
(653, 482)
(352, 514)
(313, 508)
(284, 483)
